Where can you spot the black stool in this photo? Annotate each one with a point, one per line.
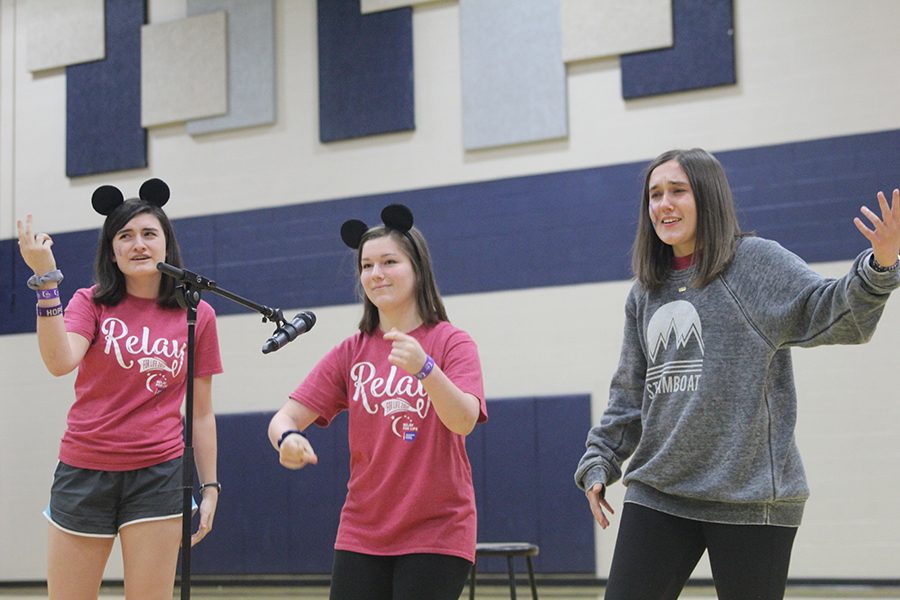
(509, 550)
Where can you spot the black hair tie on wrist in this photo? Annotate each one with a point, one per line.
(214, 484)
(287, 433)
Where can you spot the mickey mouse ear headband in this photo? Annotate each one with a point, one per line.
(108, 198)
(394, 216)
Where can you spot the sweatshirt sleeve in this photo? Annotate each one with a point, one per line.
(792, 305)
(614, 440)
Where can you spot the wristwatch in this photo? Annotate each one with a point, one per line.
(214, 484)
(36, 281)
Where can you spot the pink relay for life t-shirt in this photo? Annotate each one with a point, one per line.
(410, 488)
(132, 381)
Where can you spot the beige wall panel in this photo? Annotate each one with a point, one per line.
(64, 32)
(599, 28)
(184, 69)
(370, 6)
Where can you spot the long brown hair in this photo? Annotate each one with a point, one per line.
(717, 225)
(428, 298)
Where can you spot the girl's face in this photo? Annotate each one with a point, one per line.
(138, 246)
(673, 210)
(387, 275)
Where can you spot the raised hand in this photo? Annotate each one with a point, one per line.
(35, 247)
(885, 232)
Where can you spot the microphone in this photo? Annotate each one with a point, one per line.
(301, 323)
(171, 271)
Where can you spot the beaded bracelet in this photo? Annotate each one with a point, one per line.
(49, 311)
(287, 433)
(879, 268)
(51, 294)
(426, 368)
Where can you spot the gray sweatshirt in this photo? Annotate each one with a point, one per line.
(703, 400)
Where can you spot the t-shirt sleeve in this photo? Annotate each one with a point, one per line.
(81, 315)
(208, 359)
(460, 363)
(324, 390)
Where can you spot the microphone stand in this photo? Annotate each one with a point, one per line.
(188, 295)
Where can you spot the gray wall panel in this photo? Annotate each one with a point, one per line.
(251, 64)
(513, 75)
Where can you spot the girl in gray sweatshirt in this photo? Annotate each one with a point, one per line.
(703, 400)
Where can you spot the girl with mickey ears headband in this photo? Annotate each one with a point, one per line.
(119, 470)
(412, 385)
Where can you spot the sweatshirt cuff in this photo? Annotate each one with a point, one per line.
(883, 282)
(594, 476)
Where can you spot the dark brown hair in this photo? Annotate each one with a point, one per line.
(428, 298)
(110, 281)
(717, 225)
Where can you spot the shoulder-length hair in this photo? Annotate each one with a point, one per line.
(110, 288)
(717, 225)
(428, 298)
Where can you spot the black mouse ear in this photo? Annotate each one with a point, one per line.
(397, 216)
(106, 199)
(352, 232)
(155, 191)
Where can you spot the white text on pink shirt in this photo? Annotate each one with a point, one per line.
(366, 385)
(115, 330)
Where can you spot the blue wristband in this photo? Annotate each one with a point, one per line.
(426, 368)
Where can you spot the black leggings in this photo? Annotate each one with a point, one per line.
(656, 554)
(357, 576)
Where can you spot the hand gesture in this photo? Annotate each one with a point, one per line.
(597, 501)
(35, 248)
(296, 452)
(406, 352)
(885, 235)
(208, 503)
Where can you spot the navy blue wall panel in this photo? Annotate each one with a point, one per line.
(272, 520)
(275, 521)
(74, 254)
(103, 99)
(701, 56)
(565, 524)
(541, 230)
(524, 487)
(365, 71)
(510, 497)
